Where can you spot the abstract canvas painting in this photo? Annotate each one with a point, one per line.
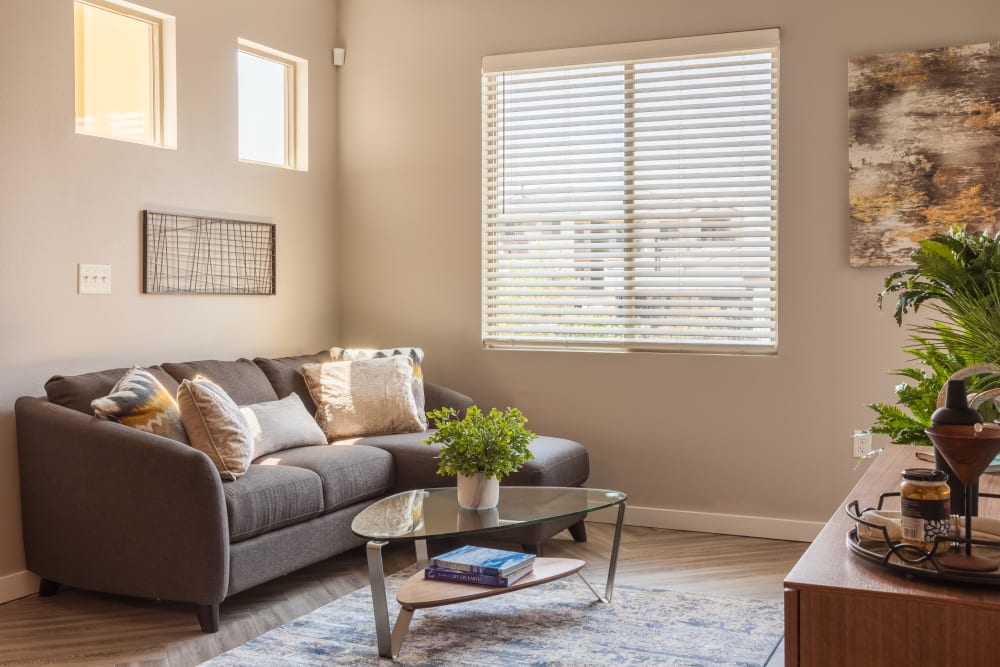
(924, 148)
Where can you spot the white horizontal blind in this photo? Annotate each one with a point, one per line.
(632, 204)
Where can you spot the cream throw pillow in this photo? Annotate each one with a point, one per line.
(414, 354)
(278, 425)
(216, 426)
(367, 397)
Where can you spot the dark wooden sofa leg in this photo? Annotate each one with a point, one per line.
(47, 588)
(208, 617)
(579, 531)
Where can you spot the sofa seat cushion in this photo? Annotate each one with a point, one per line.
(557, 462)
(349, 473)
(241, 379)
(268, 497)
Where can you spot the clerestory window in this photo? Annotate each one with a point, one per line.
(273, 106)
(124, 72)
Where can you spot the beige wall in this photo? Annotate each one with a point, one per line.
(66, 198)
(724, 435)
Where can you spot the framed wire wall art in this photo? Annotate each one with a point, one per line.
(186, 254)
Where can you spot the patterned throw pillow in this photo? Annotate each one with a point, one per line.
(367, 397)
(414, 354)
(140, 401)
(216, 426)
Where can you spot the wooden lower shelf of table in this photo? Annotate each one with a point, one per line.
(420, 593)
(843, 610)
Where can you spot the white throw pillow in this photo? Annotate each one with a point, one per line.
(278, 425)
(414, 354)
(367, 397)
(216, 426)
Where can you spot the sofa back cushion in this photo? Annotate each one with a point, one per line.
(285, 374)
(77, 391)
(242, 380)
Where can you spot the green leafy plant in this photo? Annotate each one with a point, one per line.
(495, 444)
(957, 275)
(951, 270)
(905, 422)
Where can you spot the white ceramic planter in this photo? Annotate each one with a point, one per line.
(478, 492)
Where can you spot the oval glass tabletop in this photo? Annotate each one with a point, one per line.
(431, 513)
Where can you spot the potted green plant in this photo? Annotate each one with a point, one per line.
(958, 276)
(905, 423)
(480, 449)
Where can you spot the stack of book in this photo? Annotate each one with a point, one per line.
(479, 565)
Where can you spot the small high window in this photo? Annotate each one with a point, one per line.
(125, 86)
(273, 106)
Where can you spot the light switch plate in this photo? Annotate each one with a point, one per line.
(94, 278)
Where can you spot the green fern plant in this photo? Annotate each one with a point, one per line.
(905, 421)
(495, 444)
(952, 271)
(957, 275)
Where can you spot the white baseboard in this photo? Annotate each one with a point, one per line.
(17, 585)
(705, 522)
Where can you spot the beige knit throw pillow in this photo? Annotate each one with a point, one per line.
(216, 426)
(367, 397)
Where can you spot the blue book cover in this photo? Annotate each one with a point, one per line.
(495, 562)
(462, 577)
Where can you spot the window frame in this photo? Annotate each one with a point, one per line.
(544, 63)
(162, 70)
(295, 132)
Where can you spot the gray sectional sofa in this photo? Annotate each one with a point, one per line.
(110, 508)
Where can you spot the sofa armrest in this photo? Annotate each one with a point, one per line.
(436, 396)
(110, 508)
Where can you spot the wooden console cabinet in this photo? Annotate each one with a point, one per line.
(844, 611)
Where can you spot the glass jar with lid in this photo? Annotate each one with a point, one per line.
(925, 503)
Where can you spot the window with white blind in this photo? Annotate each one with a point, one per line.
(630, 196)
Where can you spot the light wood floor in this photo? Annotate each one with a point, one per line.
(82, 628)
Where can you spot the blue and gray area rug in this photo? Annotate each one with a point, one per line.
(552, 625)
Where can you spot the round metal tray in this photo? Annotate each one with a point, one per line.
(914, 561)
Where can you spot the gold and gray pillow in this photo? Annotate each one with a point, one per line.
(140, 401)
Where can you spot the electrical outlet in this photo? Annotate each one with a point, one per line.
(862, 444)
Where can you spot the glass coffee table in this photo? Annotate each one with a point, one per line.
(423, 514)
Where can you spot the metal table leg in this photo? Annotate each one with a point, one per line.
(380, 604)
(421, 549)
(389, 638)
(613, 563)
